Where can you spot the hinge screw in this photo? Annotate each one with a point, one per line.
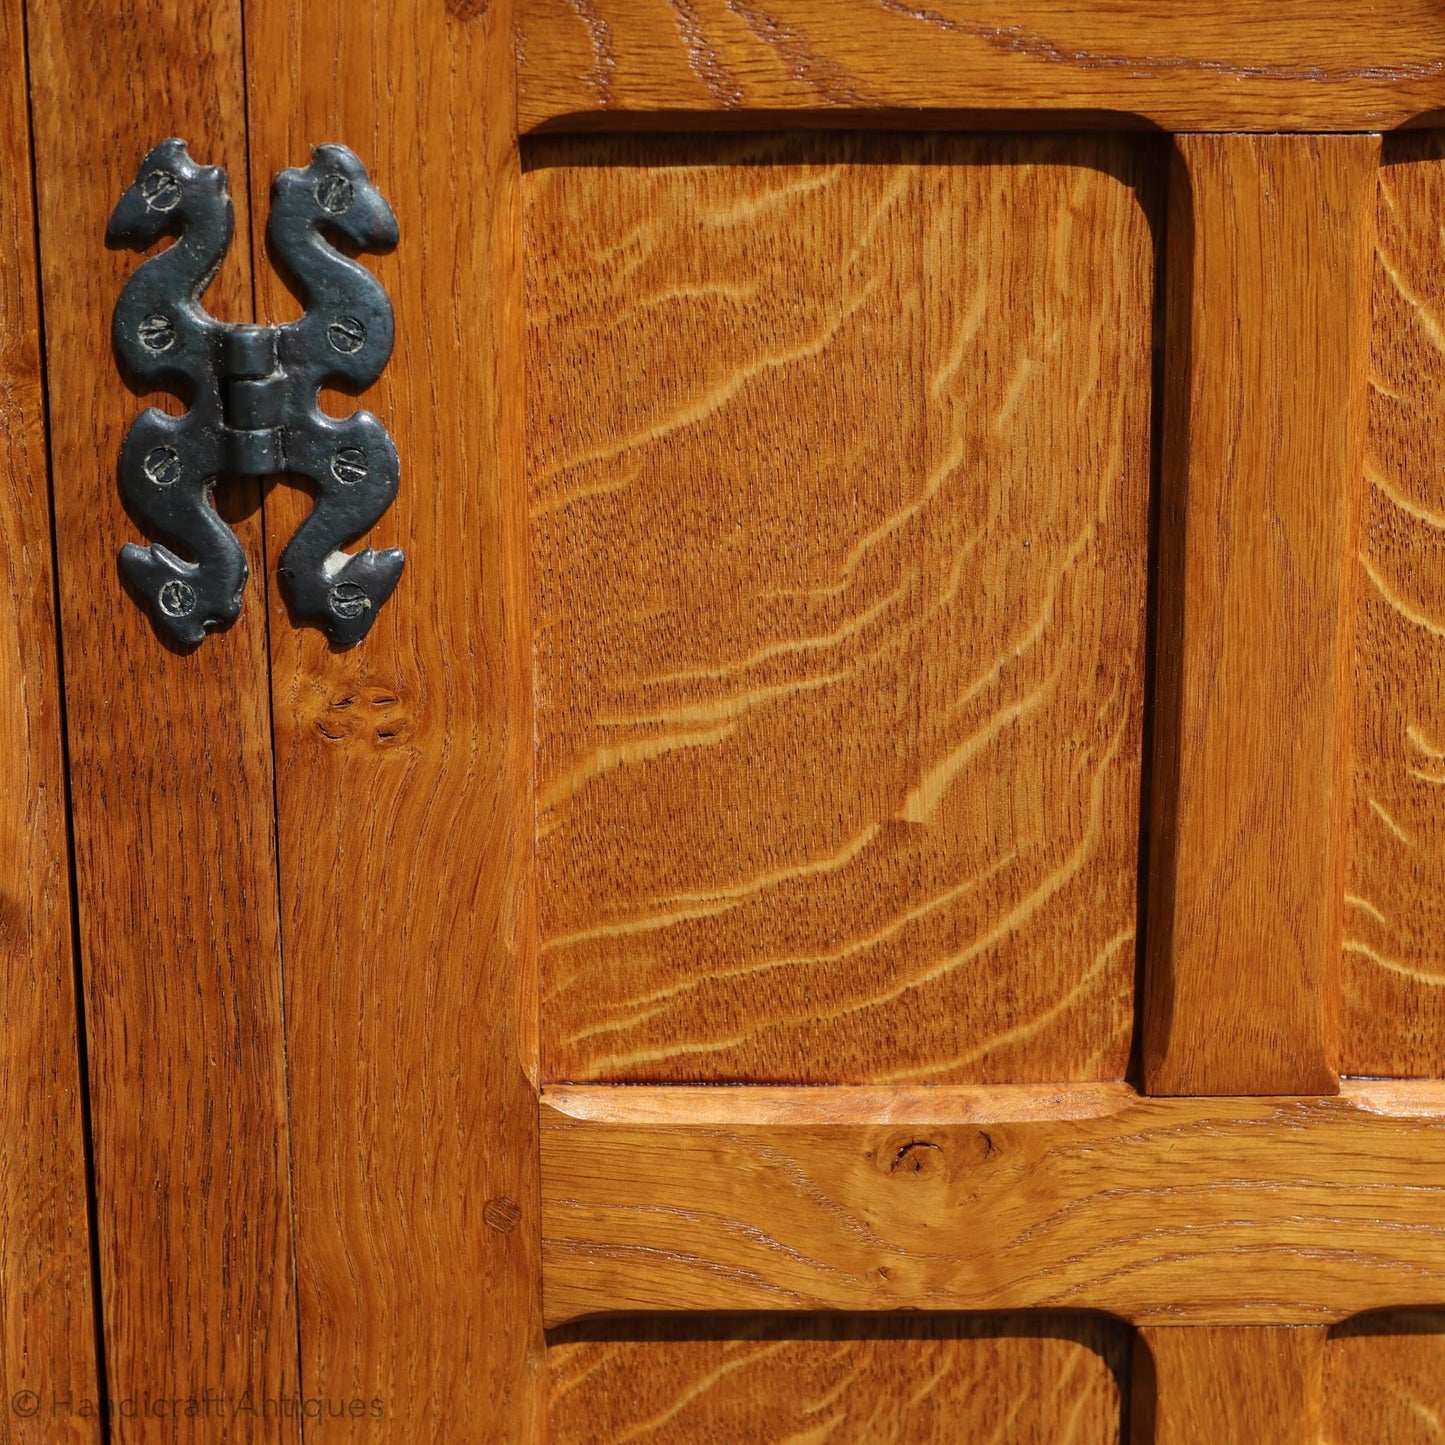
(349, 465)
(177, 599)
(158, 333)
(162, 466)
(335, 193)
(346, 599)
(346, 335)
(161, 191)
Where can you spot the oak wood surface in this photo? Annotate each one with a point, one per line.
(1024, 1379)
(1229, 1386)
(1394, 949)
(403, 767)
(838, 468)
(47, 1336)
(170, 776)
(1211, 1211)
(1263, 440)
(405, 770)
(1385, 1380)
(1237, 65)
(1264, 425)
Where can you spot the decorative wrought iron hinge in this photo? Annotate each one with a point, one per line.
(253, 392)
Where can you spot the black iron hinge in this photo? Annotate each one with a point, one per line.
(252, 392)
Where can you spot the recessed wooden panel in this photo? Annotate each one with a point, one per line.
(1385, 1380)
(1394, 954)
(889, 1380)
(838, 465)
(1385, 1374)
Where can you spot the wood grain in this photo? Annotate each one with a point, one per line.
(839, 469)
(885, 1380)
(1322, 65)
(1385, 1372)
(170, 774)
(1385, 1380)
(404, 767)
(1231, 1386)
(1394, 952)
(1207, 1211)
(1264, 433)
(47, 1333)
(1263, 438)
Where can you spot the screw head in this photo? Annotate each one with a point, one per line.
(350, 465)
(158, 333)
(161, 190)
(335, 193)
(162, 465)
(346, 335)
(177, 599)
(347, 600)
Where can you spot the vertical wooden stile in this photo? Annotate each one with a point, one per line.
(1264, 429)
(404, 766)
(47, 1332)
(1229, 1386)
(1264, 426)
(171, 781)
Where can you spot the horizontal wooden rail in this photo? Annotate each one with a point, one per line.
(1318, 65)
(1210, 1211)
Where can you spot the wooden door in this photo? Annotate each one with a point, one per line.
(878, 878)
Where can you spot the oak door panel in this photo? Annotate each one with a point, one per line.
(403, 766)
(1393, 975)
(892, 1380)
(47, 1338)
(838, 456)
(1384, 1379)
(170, 769)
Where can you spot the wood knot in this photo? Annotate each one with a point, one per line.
(502, 1215)
(978, 1148)
(917, 1156)
(376, 714)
